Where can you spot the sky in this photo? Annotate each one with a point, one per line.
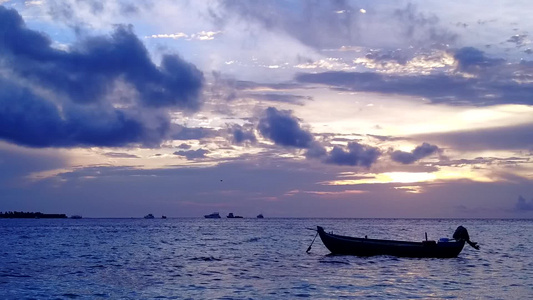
(344, 109)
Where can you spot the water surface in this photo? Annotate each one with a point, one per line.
(254, 259)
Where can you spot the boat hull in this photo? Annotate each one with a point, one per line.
(345, 245)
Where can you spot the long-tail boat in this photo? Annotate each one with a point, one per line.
(444, 248)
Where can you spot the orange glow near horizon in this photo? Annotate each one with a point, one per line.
(419, 177)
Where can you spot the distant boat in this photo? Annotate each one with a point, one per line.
(76, 217)
(260, 216)
(163, 217)
(149, 216)
(231, 216)
(444, 248)
(214, 215)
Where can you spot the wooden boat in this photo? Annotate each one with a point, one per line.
(444, 248)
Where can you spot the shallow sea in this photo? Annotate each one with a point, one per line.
(255, 259)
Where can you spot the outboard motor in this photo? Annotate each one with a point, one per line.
(461, 234)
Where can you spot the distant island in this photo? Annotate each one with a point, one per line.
(30, 215)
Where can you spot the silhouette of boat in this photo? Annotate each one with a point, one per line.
(76, 217)
(444, 248)
(260, 216)
(214, 215)
(149, 216)
(231, 216)
(163, 217)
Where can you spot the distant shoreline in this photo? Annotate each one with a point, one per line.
(30, 215)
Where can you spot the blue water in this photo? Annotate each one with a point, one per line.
(254, 259)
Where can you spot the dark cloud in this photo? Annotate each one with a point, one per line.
(519, 39)
(418, 153)
(241, 135)
(88, 71)
(523, 205)
(519, 137)
(355, 155)
(284, 129)
(184, 146)
(30, 120)
(473, 60)
(192, 154)
(77, 105)
(316, 150)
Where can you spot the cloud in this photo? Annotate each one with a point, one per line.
(519, 137)
(184, 146)
(82, 97)
(355, 155)
(281, 97)
(312, 22)
(72, 11)
(120, 155)
(494, 82)
(472, 60)
(186, 133)
(240, 135)
(438, 87)
(519, 39)
(192, 154)
(421, 29)
(85, 72)
(523, 205)
(89, 70)
(30, 120)
(418, 153)
(284, 129)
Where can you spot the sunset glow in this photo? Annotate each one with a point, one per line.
(265, 105)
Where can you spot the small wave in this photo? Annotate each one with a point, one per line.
(334, 262)
(101, 295)
(206, 258)
(97, 267)
(71, 296)
(15, 275)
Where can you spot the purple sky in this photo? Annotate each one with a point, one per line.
(287, 108)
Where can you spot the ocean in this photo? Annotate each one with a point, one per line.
(196, 258)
